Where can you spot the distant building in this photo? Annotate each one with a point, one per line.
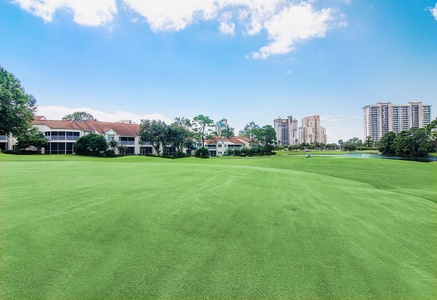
(222, 125)
(248, 127)
(311, 131)
(383, 117)
(287, 131)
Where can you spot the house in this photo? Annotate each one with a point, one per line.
(62, 135)
(219, 146)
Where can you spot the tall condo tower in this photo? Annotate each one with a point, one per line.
(383, 117)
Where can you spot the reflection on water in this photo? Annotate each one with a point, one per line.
(366, 155)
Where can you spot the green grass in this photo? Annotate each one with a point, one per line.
(253, 228)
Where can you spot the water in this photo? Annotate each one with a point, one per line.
(379, 156)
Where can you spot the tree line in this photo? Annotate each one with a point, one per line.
(413, 142)
(17, 109)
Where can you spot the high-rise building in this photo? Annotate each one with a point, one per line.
(222, 125)
(287, 132)
(248, 127)
(311, 131)
(383, 117)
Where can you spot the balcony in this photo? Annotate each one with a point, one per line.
(127, 143)
(62, 138)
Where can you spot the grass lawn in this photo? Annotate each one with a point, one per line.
(254, 228)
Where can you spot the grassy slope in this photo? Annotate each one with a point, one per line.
(276, 227)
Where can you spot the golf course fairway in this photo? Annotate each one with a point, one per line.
(282, 227)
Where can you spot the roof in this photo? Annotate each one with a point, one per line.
(243, 138)
(64, 124)
(238, 140)
(90, 126)
(120, 128)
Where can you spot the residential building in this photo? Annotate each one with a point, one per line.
(287, 131)
(311, 131)
(219, 146)
(62, 135)
(6, 141)
(383, 117)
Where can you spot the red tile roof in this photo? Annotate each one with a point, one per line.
(90, 126)
(238, 140)
(119, 128)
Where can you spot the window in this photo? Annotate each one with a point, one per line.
(127, 140)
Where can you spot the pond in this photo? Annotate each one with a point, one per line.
(367, 155)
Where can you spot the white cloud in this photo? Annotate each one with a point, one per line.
(85, 12)
(294, 24)
(434, 11)
(286, 22)
(164, 15)
(58, 112)
(227, 28)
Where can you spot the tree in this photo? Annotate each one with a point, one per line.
(189, 145)
(421, 143)
(227, 134)
(183, 122)
(17, 108)
(349, 146)
(176, 136)
(369, 142)
(250, 133)
(113, 144)
(203, 123)
(32, 137)
(413, 142)
(431, 131)
(340, 143)
(155, 132)
(266, 135)
(79, 116)
(90, 144)
(353, 144)
(386, 143)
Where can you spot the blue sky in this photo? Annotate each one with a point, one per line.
(244, 60)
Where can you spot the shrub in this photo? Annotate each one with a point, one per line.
(202, 153)
(180, 154)
(110, 153)
(90, 144)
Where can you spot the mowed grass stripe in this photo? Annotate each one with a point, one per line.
(212, 229)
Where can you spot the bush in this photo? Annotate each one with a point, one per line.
(245, 152)
(11, 152)
(110, 153)
(230, 152)
(202, 153)
(20, 152)
(180, 154)
(90, 144)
